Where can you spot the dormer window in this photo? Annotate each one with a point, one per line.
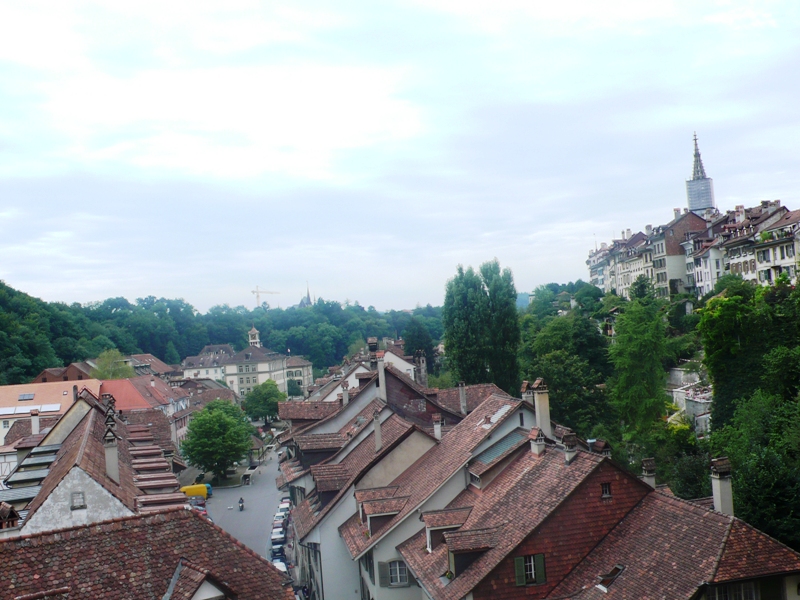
(607, 579)
(474, 480)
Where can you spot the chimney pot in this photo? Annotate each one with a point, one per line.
(34, 422)
(437, 426)
(721, 485)
(537, 441)
(541, 402)
(381, 379)
(649, 471)
(570, 442)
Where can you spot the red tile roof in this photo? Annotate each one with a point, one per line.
(136, 557)
(21, 428)
(502, 515)
(435, 467)
(306, 410)
(449, 397)
(686, 545)
(363, 456)
(385, 506)
(447, 517)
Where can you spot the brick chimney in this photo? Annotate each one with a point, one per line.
(34, 421)
(721, 485)
(541, 402)
(381, 378)
(462, 397)
(437, 426)
(649, 471)
(570, 441)
(376, 418)
(345, 393)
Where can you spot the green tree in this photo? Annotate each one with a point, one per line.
(637, 389)
(111, 365)
(641, 288)
(171, 357)
(465, 318)
(293, 389)
(216, 438)
(262, 401)
(418, 339)
(481, 326)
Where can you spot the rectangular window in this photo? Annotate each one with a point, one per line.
(23, 397)
(247, 379)
(5, 425)
(78, 500)
(398, 574)
(241, 369)
(529, 570)
(734, 591)
(241, 380)
(605, 489)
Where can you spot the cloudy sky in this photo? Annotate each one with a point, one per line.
(198, 149)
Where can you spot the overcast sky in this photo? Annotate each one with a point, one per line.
(198, 149)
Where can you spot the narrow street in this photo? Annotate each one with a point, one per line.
(252, 526)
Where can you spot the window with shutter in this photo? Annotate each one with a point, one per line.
(519, 570)
(529, 570)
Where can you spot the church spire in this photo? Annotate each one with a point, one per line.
(698, 172)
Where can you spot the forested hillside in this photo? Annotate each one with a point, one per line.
(35, 335)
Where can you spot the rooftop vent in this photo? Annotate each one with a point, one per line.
(26, 397)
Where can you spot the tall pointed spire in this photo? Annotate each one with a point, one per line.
(700, 188)
(698, 172)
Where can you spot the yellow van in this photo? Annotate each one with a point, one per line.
(195, 490)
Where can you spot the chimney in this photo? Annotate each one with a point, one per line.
(537, 441)
(437, 426)
(112, 454)
(622, 234)
(541, 405)
(649, 471)
(422, 369)
(462, 397)
(527, 392)
(345, 393)
(34, 421)
(381, 379)
(376, 417)
(721, 485)
(74, 393)
(570, 441)
(685, 211)
(627, 234)
(152, 382)
(648, 229)
(677, 212)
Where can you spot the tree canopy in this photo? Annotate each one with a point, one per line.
(111, 365)
(262, 401)
(481, 326)
(216, 437)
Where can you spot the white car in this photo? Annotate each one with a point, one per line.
(280, 565)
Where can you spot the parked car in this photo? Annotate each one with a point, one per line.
(286, 499)
(283, 511)
(280, 516)
(278, 536)
(197, 501)
(277, 551)
(278, 524)
(285, 505)
(280, 565)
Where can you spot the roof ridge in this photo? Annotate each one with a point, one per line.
(689, 504)
(721, 550)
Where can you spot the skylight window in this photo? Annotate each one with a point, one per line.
(26, 397)
(607, 579)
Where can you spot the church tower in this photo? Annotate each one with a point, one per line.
(254, 339)
(699, 189)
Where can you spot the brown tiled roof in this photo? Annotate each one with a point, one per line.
(385, 505)
(21, 428)
(136, 557)
(471, 540)
(320, 441)
(297, 361)
(435, 467)
(83, 448)
(366, 494)
(511, 506)
(449, 397)
(447, 517)
(291, 470)
(156, 365)
(306, 410)
(393, 431)
(685, 544)
(158, 425)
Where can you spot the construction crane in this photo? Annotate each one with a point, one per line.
(258, 293)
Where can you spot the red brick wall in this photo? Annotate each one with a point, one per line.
(568, 535)
(409, 405)
(672, 241)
